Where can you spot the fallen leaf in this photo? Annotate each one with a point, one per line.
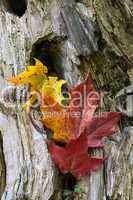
(36, 77)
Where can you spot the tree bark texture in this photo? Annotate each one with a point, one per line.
(74, 37)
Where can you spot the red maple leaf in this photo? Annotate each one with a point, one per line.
(74, 157)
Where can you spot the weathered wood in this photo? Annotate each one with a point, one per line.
(67, 34)
(29, 173)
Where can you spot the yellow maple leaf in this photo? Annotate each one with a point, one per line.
(36, 77)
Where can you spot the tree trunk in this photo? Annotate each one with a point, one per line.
(72, 37)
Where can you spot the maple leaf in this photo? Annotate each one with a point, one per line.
(74, 157)
(36, 77)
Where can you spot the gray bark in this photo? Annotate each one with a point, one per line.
(77, 37)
